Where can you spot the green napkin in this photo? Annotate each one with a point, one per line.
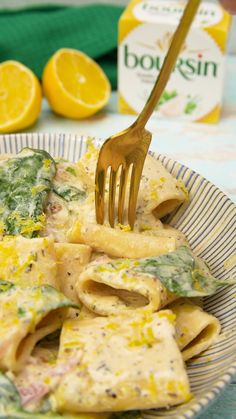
(31, 36)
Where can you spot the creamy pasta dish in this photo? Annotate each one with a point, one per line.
(94, 319)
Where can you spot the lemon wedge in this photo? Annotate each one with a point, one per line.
(74, 84)
(20, 97)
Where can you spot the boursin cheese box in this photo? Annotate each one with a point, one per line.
(194, 91)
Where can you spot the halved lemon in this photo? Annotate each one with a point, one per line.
(74, 84)
(20, 97)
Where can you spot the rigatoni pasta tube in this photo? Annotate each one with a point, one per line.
(28, 262)
(196, 330)
(160, 192)
(110, 290)
(50, 324)
(23, 312)
(122, 363)
(71, 259)
(118, 243)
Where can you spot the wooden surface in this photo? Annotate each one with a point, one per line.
(208, 149)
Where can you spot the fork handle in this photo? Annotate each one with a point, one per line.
(169, 62)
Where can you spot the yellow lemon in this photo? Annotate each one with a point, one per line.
(74, 84)
(20, 97)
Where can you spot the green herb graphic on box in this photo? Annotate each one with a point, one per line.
(165, 97)
(191, 105)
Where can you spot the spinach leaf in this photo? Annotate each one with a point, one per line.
(24, 186)
(182, 273)
(69, 193)
(71, 170)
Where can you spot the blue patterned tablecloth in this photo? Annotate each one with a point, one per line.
(208, 149)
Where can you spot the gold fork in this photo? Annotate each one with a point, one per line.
(128, 148)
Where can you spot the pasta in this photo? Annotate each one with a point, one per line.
(108, 289)
(23, 311)
(196, 330)
(28, 262)
(159, 191)
(67, 203)
(71, 258)
(101, 316)
(122, 363)
(120, 243)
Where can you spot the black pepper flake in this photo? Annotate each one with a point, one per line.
(172, 394)
(111, 393)
(29, 267)
(69, 273)
(103, 367)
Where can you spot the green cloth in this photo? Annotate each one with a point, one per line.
(31, 36)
